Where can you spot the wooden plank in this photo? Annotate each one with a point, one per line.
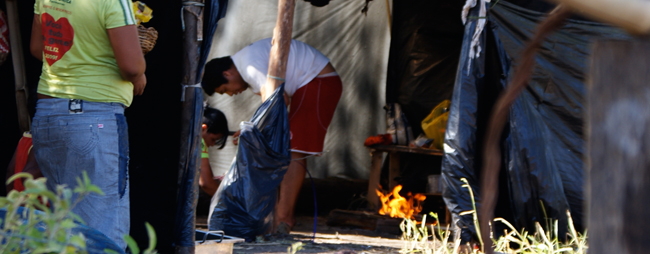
(356, 219)
(373, 181)
(406, 149)
(366, 220)
(393, 170)
(24, 120)
(618, 142)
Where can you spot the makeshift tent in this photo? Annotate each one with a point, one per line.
(357, 46)
(542, 174)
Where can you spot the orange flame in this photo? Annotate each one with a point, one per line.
(398, 206)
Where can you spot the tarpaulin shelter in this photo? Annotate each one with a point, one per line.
(542, 173)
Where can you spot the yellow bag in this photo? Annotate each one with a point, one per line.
(142, 12)
(435, 124)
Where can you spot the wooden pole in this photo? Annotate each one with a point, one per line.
(189, 159)
(631, 15)
(18, 61)
(618, 142)
(280, 49)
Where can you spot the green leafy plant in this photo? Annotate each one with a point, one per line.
(30, 226)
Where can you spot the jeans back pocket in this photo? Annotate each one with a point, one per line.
(80, 135)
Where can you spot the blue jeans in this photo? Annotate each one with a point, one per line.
(71, 137)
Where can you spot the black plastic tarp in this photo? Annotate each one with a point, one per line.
(543, 143)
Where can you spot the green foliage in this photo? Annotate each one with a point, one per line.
(133, 246)
(41, 229)
(544, 241)
(48, 230)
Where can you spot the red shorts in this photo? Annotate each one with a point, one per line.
(311, 111)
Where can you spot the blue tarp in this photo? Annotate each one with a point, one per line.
(542, 172)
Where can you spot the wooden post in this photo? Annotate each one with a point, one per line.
(18, 61)
(373, 180)
(393, 170)
(189, 159)
(618, 142)
(280, 49)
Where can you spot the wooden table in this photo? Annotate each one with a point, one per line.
(394, 151)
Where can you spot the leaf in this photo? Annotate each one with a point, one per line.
(19, 175)
(94, 189)
(133, 246)
(67, 224)
(152, 237)
(78, 240)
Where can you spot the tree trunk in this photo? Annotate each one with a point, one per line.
(280, 49)
(191, 117)
(618, 142)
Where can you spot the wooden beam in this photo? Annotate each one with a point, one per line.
(393, 170)
(618, 147)
(373, 181)
(18, 61)
(280, 49)
(631, 15)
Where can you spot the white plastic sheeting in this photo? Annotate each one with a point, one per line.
(357, 46)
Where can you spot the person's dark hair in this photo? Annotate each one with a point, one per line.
(213, 75)
(217, 123)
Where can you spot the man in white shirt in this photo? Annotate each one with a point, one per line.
(312, 88)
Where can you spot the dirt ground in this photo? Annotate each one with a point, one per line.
(327, 240)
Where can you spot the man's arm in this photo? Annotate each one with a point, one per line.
(36, 42)
(128, 56)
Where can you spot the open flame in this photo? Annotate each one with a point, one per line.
(396, 206)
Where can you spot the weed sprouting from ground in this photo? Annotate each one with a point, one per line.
(419, 238)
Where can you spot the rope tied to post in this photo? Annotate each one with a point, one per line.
(197, 15)
(184, 86)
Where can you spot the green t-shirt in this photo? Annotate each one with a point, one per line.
(204, 150)
(78, 60)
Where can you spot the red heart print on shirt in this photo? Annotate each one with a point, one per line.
(57, 37)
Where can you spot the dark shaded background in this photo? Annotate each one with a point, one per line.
(424, 50)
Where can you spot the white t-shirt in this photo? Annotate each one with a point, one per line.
(303, 65)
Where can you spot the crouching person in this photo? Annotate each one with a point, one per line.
(214, 133)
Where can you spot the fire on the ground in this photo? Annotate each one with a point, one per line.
(396, 206)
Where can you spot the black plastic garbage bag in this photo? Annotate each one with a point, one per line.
(244, 202)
